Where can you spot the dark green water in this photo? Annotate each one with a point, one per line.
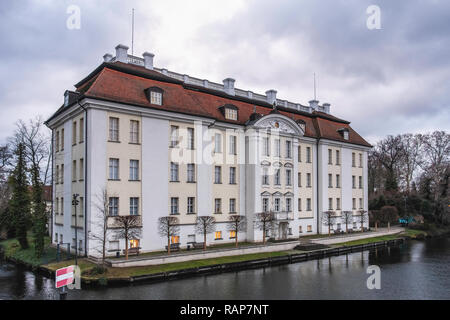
(416, 270)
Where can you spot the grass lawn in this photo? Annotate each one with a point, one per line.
(13, 250)
(115, 273)
(369, 240)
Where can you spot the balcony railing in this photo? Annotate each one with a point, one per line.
(283, 216)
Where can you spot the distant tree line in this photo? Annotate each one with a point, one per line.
(410, 172)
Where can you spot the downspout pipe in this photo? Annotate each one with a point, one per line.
(85, 176)
(318, 183)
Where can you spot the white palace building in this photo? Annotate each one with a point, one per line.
(162, 143)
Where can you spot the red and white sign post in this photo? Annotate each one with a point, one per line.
(64, 277)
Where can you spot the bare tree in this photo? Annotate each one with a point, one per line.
(100, 223)
(264, 221)
(347, 218)
(390, 153)
(6, 157)
(389, 214)
(236, 224)
(412, 157)
(128, 228)
(36, 140)
(168, 227)
(205, 225)
(363, 218)
(328, 219)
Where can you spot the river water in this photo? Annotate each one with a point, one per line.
(415, 270)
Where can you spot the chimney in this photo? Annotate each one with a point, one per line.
(121, 53)
(206, 83)
(314, 104)
(326, 107)
(148, 60)
(271, 96)
(107, 57)
(228, 85)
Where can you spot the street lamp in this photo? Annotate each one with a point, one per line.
(75, 202)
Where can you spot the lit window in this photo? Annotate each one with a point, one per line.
(156, 98)
(232, 234)
(218, 235)
(309, 228)
(134, 243)
(175, 239)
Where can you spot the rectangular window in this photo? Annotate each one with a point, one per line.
(57, 141)
(232, 175)
(217, 205)
(330, 156)
(360, 203)
(265, 177)
(81, 130)
(360, 182)
(300, 230)
(265, 204)
(218, 235)
(288, 177)
(191, 238)
(353, 182)
(191, 139)
(190, 205)
(288, 204)
(308, 154)
(113, 169)
(232, 205)
(134, 131)
(114, 129)
(330, 180)
(173, 136)
(232, 234)
(217, 174)
(232, 145)
(174, 239)
(330, 203)
(134, 170)
(74, 170)
(156, 98)
(309, 228)
(113, 206)
(134, 206)
(81, 205)
(114, 245)
(191, 172)
(353, 160)
(308, 204)
(338, 157)
(277, 177)
(277, 204)
(289, 149)
(266, 147)
(338, 181)
(62, 139)
(218, 143)
(57, 174)
(360, 160)
(308, 180)
(354, 203)
(61, 239)
(62, 206)
(277, 148)
(299, 154)
(299, 204)
(174, 172)
(174, 205)
(230, 114)
(338, 203)
(299, 178)
(62, 173)
(81, 169)
(74, 133)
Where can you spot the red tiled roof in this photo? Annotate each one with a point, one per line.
(126, 83)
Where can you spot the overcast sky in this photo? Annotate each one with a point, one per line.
(387, 81)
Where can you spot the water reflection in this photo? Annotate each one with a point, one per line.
(416, 270)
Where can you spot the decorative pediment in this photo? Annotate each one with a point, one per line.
(265, 194)
(288, 194)
(277, 164)
(277, 194)
(265, 163)
(288, 165)
(280, 123)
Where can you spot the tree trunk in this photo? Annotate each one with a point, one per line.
(264, 234)
(389, 225)
(126, 248)
(376, 226)
(346, 228)
(204, 240)
(329, 230)
(168, 245)
(236, 239)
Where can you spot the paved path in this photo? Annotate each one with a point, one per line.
(358, 236)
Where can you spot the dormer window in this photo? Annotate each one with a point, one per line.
(344, 133)
(66, 99)
(230, 112)
(154, 95)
